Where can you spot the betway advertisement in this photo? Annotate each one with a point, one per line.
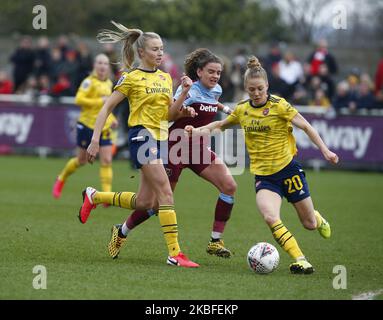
(354, 138)
(52, 127)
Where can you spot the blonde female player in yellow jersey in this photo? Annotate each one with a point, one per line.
(149, 91)
(267, 123)
(91, 95)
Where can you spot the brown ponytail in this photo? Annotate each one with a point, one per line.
(255, 69)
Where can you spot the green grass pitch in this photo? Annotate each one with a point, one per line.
(39, 230)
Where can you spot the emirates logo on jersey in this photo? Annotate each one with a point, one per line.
(266, 111)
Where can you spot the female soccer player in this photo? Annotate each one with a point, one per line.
(267, 122)
(149, 91)
(91, 95)
(204, 68)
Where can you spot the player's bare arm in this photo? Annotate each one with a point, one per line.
(106, 110)
(211, 128)
(177, 110)
(300, 122)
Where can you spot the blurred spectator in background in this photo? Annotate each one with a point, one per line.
(238, 69)
(342, 98)
(44, 85)
(23, 60)
(84, 63)
(273, 57)
(43, 57)
(168, 65)
(225, 81)
(277, 85)
(6, 84)
(322, 56)
(365, 98)
(71, 70)
(327, 84)
(320, 99)
(379, 78)
(62, 87)
(110, 52)
(291, 71)
(63, 46)
(30, 87)
(353, 84)
(57, 66)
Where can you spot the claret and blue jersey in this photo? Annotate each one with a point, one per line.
(205, 103)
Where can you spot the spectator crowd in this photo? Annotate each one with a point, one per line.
(58, 69)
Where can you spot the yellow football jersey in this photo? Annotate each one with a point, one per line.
(150, 95)
(268, 133)
(89, 98)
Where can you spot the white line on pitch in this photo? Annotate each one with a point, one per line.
(370, 295)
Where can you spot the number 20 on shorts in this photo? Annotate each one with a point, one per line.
(294, 183)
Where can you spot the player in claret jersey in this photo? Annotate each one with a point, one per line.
(204, 68)
(267, 122)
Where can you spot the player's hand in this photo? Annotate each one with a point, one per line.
(114, 124)
(331, 156)
(188, 112)
(188, 131)
(92, 151)
(227, 110)
(186, 83)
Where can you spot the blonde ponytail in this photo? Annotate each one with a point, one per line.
(129, 38)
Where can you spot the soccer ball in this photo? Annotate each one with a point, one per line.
(263, 257)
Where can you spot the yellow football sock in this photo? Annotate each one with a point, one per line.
(318, 218)
(286, 240)
(71, 166)
(106, 176)
(168, 221)
(125, 200)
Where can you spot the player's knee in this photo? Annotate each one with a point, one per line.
(229, 188)
(165, 196)
(82, 161)
(270, 219)
(144, 203)
(106, 161)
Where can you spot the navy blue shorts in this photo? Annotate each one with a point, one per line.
(290, 182)
(84, 136)
(144, 148)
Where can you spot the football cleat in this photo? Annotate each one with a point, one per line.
(218, 248)
(181, 260)
(325, 229)
(116, 241)
(87, 204)
(57, 188)
(301, 267)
